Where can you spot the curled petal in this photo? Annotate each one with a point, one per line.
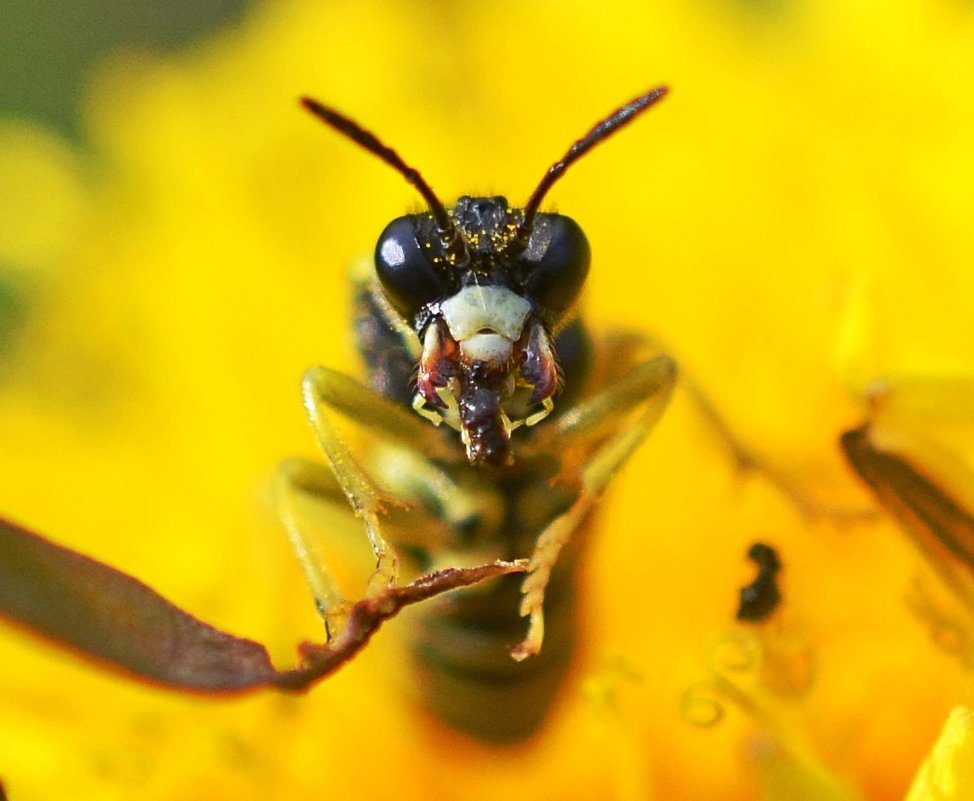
(110, 616)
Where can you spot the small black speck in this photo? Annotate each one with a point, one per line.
(760, 598)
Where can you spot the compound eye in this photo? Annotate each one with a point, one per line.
(407, 276)
(556, 277)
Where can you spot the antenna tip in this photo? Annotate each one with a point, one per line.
(654, 94)
(328, 115)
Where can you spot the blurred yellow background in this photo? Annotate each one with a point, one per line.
(793, 221)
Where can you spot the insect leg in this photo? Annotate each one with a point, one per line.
(643, 392)
(294, 477)
(749, 460)
(448, 509)
(408, 448)
(325, 389)
(299, 480)
(385, 419)
(404, 469)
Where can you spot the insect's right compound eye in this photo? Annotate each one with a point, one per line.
(555, 277)
(405, 271)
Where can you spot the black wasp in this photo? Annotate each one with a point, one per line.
(467, 317)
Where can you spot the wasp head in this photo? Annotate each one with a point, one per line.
(485, 306)
(485, 287)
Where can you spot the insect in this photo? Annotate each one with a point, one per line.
(497, 422)
(469, 321)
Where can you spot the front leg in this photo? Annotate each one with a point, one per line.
(603, 427)
(437, 506)
(321, 388)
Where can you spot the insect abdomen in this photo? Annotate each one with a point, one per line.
(462, 649)
(464, 672)
(464, 667)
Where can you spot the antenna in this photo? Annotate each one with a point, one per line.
(371, 142)
(602, 130)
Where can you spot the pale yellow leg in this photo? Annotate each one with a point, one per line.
(407, 448)
(648, 382)
(645, 392)
(299, 476)
(460, 499)
(385, 419)
(441, 504)
(319, 389)
(748, 459)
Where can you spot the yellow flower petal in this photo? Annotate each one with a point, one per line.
(948, 773)
(810, 162)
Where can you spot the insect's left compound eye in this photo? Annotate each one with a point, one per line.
(404, 270)
(557, 261)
